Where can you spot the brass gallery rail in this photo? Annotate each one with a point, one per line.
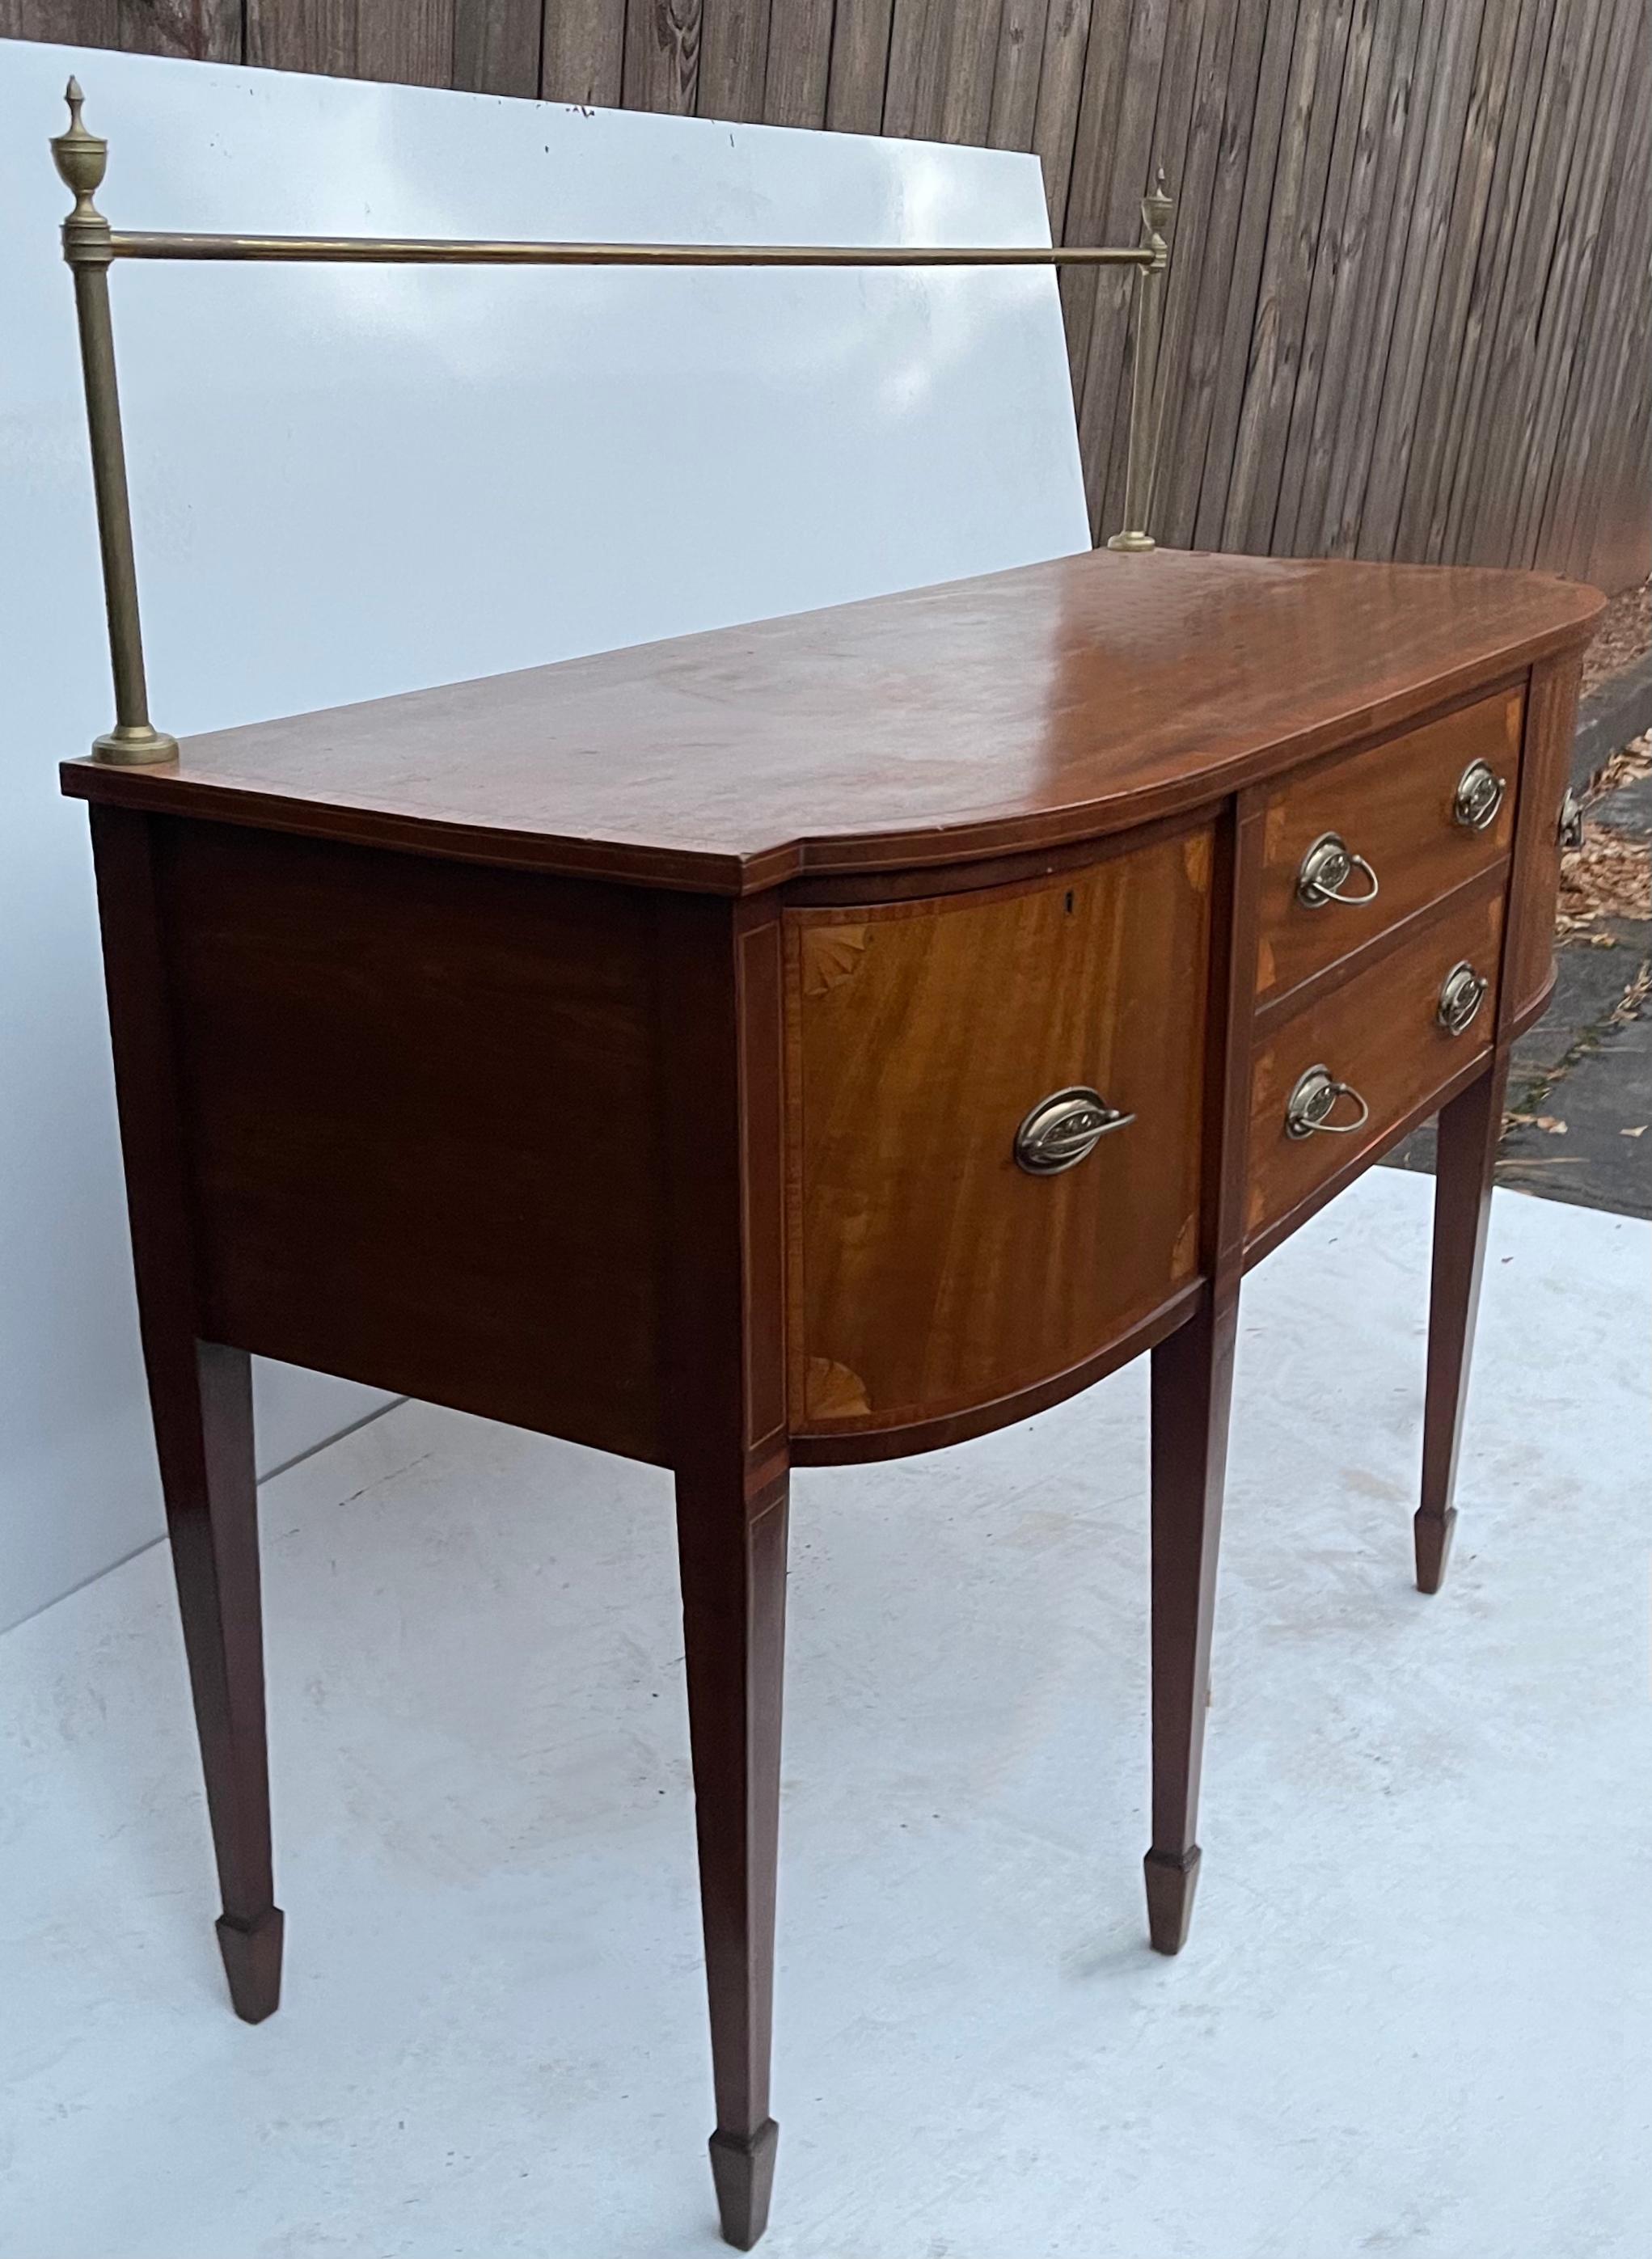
(90, 246)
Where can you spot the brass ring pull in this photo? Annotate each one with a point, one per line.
(1479, 796)
(1462, 994)
(1327, 868)
(1312, 1103)
(1571, 820)
(1063, 1129)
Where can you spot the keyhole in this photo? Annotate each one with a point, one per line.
(1069, 905)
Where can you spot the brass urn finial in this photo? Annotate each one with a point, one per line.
(1157, 207)
(82, 157)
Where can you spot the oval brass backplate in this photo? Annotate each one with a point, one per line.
(1479, 796)
(1462, 994)
(1327, 868)
(1063, 1128)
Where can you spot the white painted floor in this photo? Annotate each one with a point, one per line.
(1416, 2012)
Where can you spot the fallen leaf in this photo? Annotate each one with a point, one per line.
(1609, 876)
(1638, 1132)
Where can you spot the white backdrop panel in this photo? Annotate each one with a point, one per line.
(348, 481)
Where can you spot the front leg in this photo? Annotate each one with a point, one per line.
(731, 1548)
(1191, 1392)
(1470, 1129)
(202, 1399)
(725, 1377)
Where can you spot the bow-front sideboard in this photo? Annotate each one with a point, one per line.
(815, 1042)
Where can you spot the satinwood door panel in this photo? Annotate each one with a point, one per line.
(929, 1271)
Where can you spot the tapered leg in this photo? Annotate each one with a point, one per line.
(732, 1553)
(201, 1398)
(1192, 1390)
(202, 1403)
(1471, 1127)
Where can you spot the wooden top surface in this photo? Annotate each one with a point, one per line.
(1056, 703)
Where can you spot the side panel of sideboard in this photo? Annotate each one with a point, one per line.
(421, 1102)
(1552, 718)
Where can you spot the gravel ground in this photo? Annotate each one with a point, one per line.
(1625, 634)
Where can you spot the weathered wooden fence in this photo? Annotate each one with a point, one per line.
(1410, 307)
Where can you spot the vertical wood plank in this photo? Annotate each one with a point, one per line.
(1177, 485)
(70, 23)
(860, 66)
(1096, 145)
(582, 51)
(1348, 253)
(1182, 468)
(1016, 74)
(1245, 270)
(1109, 385)
(1587, 208)
(496, 45)
(1602, 526)
(1060, 79)
(800, 60)
(1399, 153)
(942, 55)
(1489, 95)
(972, 63)
(734, 59)
(306, 35)
(409, 42)
(1289, 257)
(662, 55)
(1488, 528)
(1423, 226)
(204, 30)
(1327, 278)
(1473, 349)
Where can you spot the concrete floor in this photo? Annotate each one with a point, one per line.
(1416, 2012)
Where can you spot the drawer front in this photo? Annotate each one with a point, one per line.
(1380, 1033)
(1396, 808)
(931, 1271)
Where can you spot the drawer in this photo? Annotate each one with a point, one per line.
(931, 1271)
(1382, 1034)
(1397, 806)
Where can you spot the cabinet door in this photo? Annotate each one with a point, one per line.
(932, 1269)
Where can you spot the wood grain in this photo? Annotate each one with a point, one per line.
(795, 86)
(358, 1028)
(662, 56)
(1190, 1397)
(1392, 804)
(860, 66)
(929, 1271)
(496, 45)
(582, 57)
(1545, 773)
(1471, 1129)
(717, 980)
(1379, 1032)
(980, 718)
(201, 1401)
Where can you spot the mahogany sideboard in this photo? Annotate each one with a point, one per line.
(815, 1042)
